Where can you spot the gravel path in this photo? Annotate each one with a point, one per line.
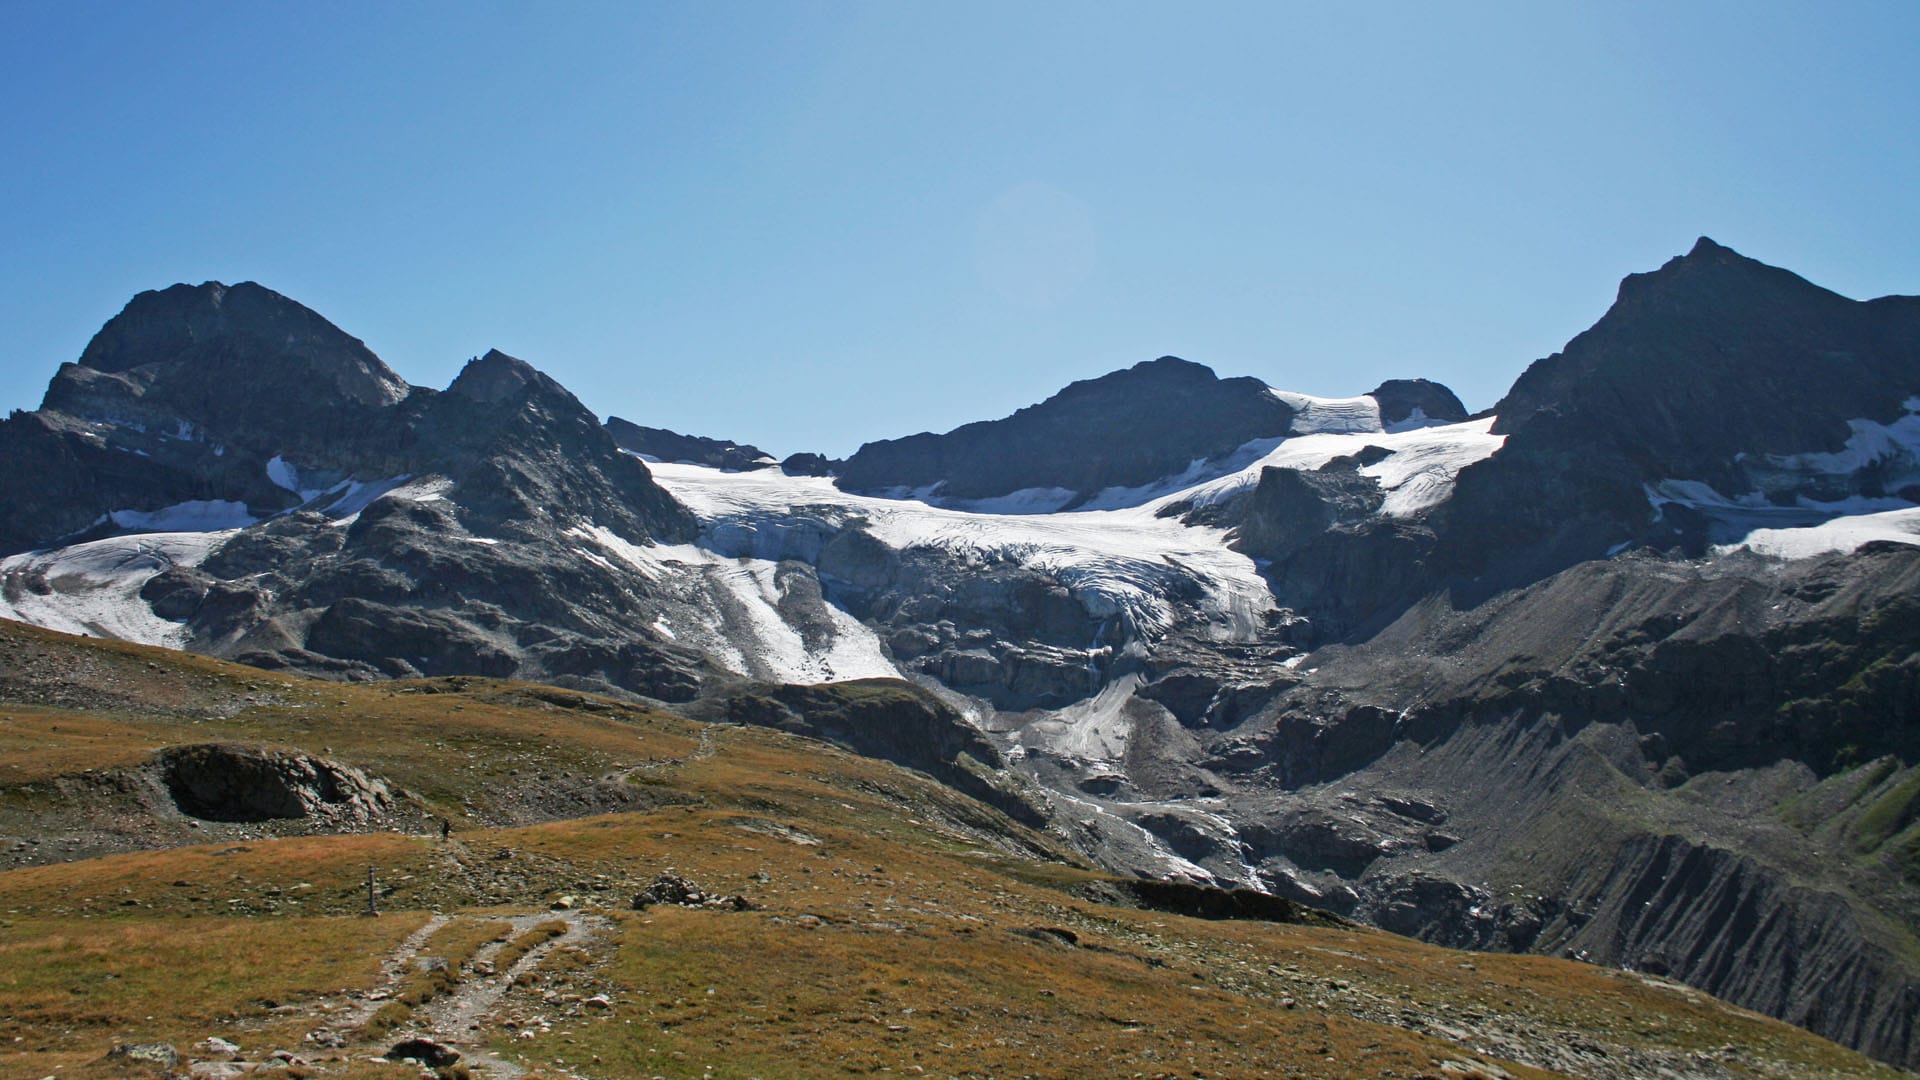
(460, 1018)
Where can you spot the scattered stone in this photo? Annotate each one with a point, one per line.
(160, 1054)
(599, 1001)
(215, 1046)
(671, 888)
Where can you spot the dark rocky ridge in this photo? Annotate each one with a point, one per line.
(664, 445)
(1125, 429)
(190, 392)
(1711, 357)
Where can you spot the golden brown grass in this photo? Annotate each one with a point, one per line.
(894, 928)
(67, 982)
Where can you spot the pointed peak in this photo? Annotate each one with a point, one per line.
(1712, 273)
(494, 377)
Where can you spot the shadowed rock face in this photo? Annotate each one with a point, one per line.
(1120, 430)
(224, 782)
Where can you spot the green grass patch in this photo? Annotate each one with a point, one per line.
(1888, 815)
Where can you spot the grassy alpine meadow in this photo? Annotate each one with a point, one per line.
(848, 917)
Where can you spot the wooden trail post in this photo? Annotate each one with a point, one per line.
(372, 908)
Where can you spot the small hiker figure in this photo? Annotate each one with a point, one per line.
(446, 828)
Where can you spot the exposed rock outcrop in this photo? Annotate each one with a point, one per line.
(230, 782)
(663, 445)
(1405, 401)
(892, 720)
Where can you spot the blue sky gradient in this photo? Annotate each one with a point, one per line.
(808, 225)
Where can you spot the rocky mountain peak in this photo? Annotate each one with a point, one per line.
(1173, 368)
(247, 337)
(1146, 377)
(1701, 373)
(494, 377)
(1713, 320)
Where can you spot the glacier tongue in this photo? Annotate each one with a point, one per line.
(747, 613)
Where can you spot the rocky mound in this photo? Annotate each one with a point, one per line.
(1416, 400)
(892, 720)
(1125, 429)
(229, 782)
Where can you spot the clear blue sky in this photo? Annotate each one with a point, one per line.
(807, 225)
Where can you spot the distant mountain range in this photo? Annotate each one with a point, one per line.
(1627, 668)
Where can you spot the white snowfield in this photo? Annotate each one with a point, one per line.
(199, 515)
(1331, 416)
(1842, 534)
(94, 588)
(1123, 564)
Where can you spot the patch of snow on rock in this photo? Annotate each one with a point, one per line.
(1419, 472)
(733, 611)
(1842, 534)
(284, 475)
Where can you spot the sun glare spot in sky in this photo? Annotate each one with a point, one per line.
(1035, 244)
